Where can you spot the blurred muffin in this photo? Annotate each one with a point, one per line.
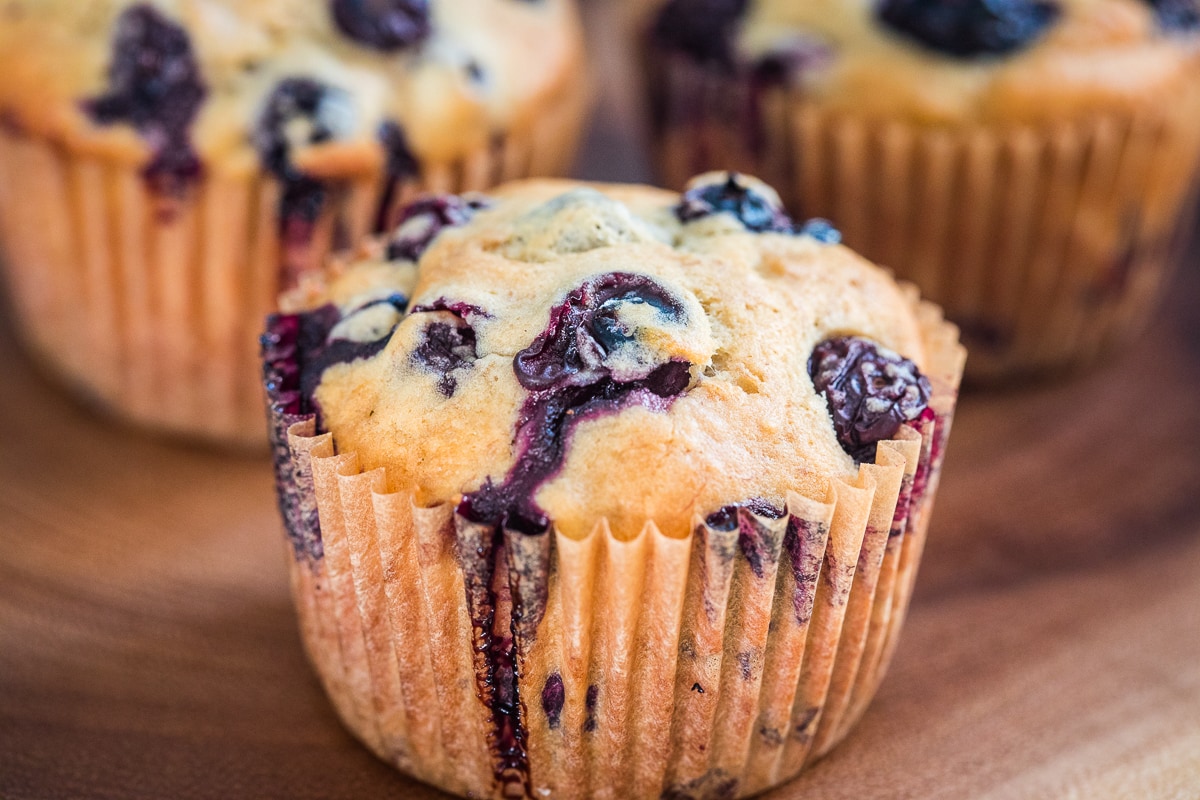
(166, 168)
(646, 477)
(1026, 162)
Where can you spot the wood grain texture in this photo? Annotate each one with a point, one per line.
(148, 647)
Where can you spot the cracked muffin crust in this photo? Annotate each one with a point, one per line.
(562, 334)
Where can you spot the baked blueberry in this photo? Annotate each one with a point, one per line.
(820, 229)
(298, 348)
(1176, 15)
(970, 28)
(422, 220)
(870, 391)
(572, 371)
(154, 84)
(586, 329)
(299, 112)
(733, 194)
(448, 346)
(703, 29)
(384, 25)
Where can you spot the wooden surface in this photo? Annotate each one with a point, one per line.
(148, 647)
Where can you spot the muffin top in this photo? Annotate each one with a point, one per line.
(556, 353)
(949, 61)
(327, 85)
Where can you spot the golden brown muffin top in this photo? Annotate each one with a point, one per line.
(953, 61)
(327, 76)
(562, 352)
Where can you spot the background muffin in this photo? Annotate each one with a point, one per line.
(1026, 162)
(646, 476)
(167, 168)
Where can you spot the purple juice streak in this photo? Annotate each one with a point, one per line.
(543, 435)
(735, 517)
(494, 612)
(303, 197)
(282, 345)
(589, 703)
(564, 371)
(455, 307)
(805, 544)
(296, 351)
(924, 465)
(154, 84)
(554, 696)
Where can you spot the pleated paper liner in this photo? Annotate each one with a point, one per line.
(1047, 244)
(715, 665)
(152, 308)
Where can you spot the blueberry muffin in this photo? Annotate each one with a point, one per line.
(604, 490)
(1026, 162)
(168, 167)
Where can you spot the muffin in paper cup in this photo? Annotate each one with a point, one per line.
(1030, 166)
(604, 491)
(167, 168)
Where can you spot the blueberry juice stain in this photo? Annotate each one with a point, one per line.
(299, 111)
(296, 350)
(567, 374)
(155, 85)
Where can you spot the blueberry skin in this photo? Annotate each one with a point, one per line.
(154, 84)
(564, 372)
(752, 208)
(422, 220)
(295, 99)
(970, 28)
(820, 229)
(870, 391)
(383, 25)
(1176, 16)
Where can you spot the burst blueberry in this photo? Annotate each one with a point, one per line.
(448, 346)
(820, 229)
(970, 28)
(732, 194)
(154, 84)
(298, 112)
(384, 25)
(870, 391)
(421, 221)
(566, 373)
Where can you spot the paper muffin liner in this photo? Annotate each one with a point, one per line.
(1047, 244)
(714, 665)
(151, 306)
